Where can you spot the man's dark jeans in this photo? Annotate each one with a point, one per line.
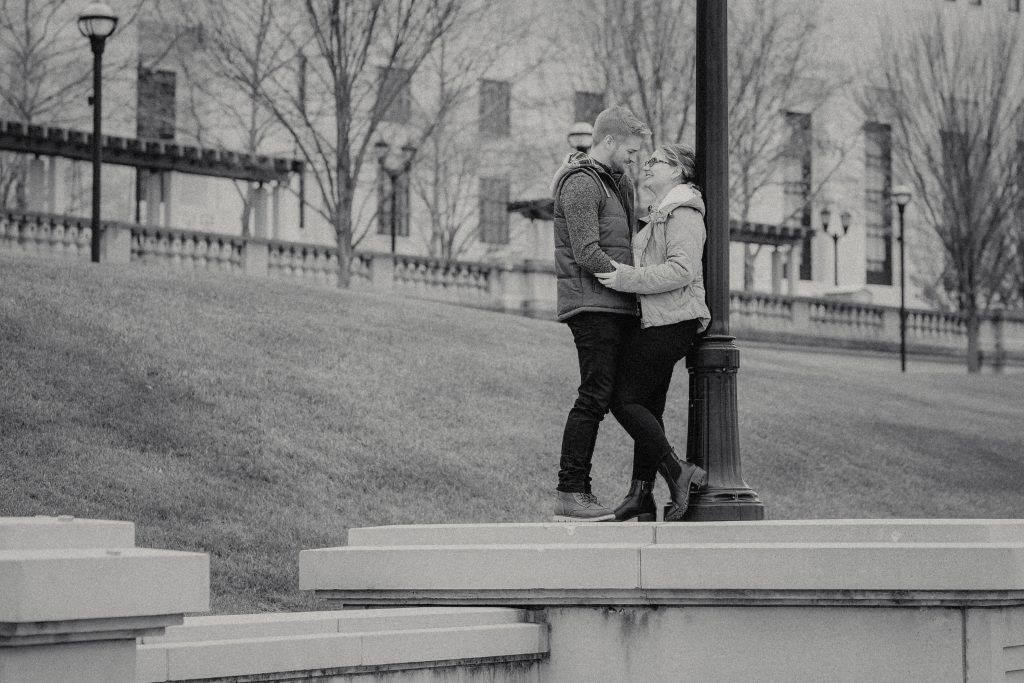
(599, 340)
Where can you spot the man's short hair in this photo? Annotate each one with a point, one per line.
(620, 123)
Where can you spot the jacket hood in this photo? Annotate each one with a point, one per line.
(682, 195)
(575, 161)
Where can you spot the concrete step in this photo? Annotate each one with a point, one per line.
(340, 643)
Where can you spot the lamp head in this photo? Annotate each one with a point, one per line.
(97, 20)
(902, 195)
(826, 216)
(381, 148)
(845, 218)
(581, 136)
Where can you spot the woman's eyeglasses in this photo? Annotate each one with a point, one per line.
(655, 160)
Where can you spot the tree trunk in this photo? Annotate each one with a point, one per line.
(973, 348)
(246, 211)
(343, 237)
(749, 257)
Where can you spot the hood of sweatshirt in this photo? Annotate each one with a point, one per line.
(681, 195)
(574, 161)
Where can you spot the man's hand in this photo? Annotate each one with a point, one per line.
(610, 279)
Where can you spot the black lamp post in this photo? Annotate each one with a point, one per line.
(394, 174)
(845, 219)
(581, 136)
(713, 430)
(901, 195)
(97, 22)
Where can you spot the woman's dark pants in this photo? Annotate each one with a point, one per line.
(599, 341)
(642, 381)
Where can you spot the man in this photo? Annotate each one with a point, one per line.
(594, 220)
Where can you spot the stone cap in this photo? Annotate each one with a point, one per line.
(93, 583)
(64, 532)
(338, 643)
(799, 562)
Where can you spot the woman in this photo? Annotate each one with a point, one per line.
(669, 283)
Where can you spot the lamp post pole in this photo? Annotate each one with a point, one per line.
(97, 22)
(383, 150)
(902, 196)
(845, 217)
(713, 430)
(97, 138)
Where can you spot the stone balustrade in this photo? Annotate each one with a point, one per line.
(187, 249)
(44, 234)
(526, 288)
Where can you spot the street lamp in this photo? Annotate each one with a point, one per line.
(96, 22)
(901, 195)
(581, 136)
(394, 173)
(844, 219)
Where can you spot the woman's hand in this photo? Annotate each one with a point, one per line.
(611, 278)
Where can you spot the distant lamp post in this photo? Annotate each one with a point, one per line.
(97, 22)
(901, 195)
(844, 218)
(581, 136)
(394, 169)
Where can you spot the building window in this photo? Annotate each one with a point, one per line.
(494, 218)
(878, 203)
(797, 182)
(976, 2)
(495, 101)
(587, 106)
(392, 191)
(395, 94)
(1015, 5)
(155, 105)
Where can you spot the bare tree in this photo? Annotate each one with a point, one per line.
(481, 44)
(951, 90)
(44, 76)
(241, 50)
(361, 56)
(770, 56)
(646, 52)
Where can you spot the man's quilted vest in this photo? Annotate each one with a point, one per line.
(578, 290)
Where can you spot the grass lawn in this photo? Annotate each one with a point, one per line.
(251, 419)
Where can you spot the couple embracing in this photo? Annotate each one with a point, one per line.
(631, 290)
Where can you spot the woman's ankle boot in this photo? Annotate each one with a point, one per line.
(681, 477)
(639, 503)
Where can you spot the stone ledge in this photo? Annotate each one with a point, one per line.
(503, 534)
(395, 649)
(874, 562)
(83, 630)
(242, 626)
(472, 567)
(535, 598)
(63, 533)
(766, 531)
(100, 584)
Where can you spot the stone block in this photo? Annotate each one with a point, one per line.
(502, 534)
(844, 531)
(458, 643)
(100, 584)
(64, 532)
(191, 661)
(836, 566)
(779, 644)
(509, 567)
(94, 662)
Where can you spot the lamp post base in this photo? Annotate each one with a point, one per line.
(713, 434)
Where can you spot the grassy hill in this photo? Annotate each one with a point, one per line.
(250, 419)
